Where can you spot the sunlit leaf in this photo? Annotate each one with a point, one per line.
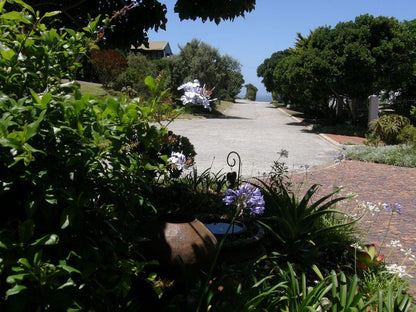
(15, 290)
(50, 239)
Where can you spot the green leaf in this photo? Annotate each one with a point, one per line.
(50, 14)
(65, 222)
(25, 263)
(50, 239)
(32, 128)
(25, 5)
(317, 272)
(12, 279)
(46, 98)
(50, 198)
(15, 290)
(68, 283)
(35, 96)
(68, 268)
(3, 245)
(150, 82)
(15, 16)
(37, 258)
(7, 54)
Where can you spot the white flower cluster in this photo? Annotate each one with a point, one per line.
(394, 244)
(373, 208)
(195, 94)
(357, 246)
(408, 254)
(400, 270)
(178, 160)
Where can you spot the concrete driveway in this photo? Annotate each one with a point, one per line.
(257, 131)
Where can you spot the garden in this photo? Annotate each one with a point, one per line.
(91, 184)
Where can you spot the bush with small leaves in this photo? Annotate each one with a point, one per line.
(389, 127)
(408, 135)
(75, 177)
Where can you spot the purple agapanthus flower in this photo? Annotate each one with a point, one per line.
(339, 158)
(396, 207)
(246, 198)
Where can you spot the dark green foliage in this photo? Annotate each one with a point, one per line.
(389, 127)
(214, 10)
(251, 92)
(34, 57)
(178, 143)
(297, 225)
(347, 63)
(132, 26)
(76, 173)
(266, 71)
(138, 68)
(198, 60)
(408, 135)
(80, 174)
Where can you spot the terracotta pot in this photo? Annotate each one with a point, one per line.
(184, 241)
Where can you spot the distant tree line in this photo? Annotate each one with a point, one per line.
(331, 72)
(196, 60)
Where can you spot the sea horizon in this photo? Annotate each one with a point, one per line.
(264, 98)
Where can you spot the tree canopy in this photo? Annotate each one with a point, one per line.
(266, 70)
(348, 62)
(198, 60)
(132, 25)
(251, 92)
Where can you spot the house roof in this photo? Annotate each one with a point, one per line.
(162, 46)
(155, 45)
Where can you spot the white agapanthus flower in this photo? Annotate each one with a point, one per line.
(400, 270)
(193, 93)
(179, 160)
(394, 244)
(373, 208)
(357, 246)
(408, 253)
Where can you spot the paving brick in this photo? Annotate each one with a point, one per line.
(376, 183)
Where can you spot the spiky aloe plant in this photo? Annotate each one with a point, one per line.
(297, 224)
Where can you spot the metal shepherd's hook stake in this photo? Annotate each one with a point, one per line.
(232, 159)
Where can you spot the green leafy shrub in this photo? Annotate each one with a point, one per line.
(36, 57)
(408, 135)
(138, 68)
(76, 174)
(389, 127)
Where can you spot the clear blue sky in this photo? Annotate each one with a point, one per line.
(272, 27)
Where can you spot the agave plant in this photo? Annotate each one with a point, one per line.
(297, 224)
